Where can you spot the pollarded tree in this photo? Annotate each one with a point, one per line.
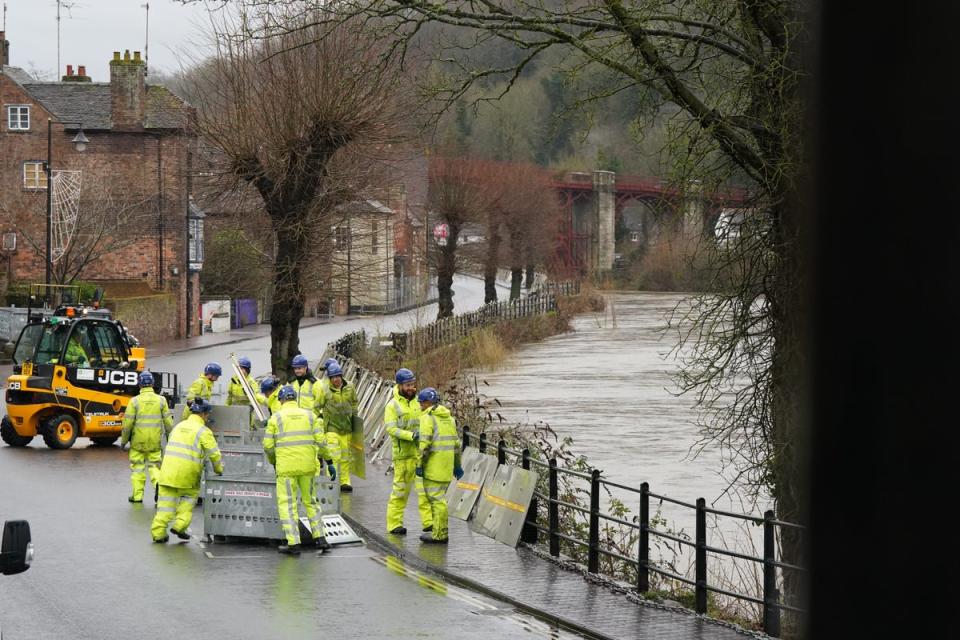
(460, 191)
(280, 105)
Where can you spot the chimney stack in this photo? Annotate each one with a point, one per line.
(4, 49)
(128, 90)
(81, 75)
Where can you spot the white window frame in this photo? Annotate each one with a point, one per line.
(15, 108)
(41, 176)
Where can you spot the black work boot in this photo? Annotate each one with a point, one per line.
(183, 535)
(345, 488)
(289, 549)
(131, 499)
(321, 544)
(429, 539)
(399, 531)
(429, 527)
(162, 540)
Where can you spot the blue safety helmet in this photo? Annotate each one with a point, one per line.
(299, 360)
(328, 362)
(268, 384)
(405, 375)
(286, 393)
(334, 370)
(145, 379)
(245, 364)
(428, 394)
(199, 405)
(213, 368)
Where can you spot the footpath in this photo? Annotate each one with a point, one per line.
(521, 576)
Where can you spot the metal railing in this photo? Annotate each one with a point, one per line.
(770, 601)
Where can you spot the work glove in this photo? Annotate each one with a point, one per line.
(418, 471)
(416, 437)
(332, 470)
(259, 424)
(218, 470)
(458, 472)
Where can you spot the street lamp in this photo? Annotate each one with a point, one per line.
(80, 141)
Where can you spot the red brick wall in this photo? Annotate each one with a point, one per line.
(120, 164)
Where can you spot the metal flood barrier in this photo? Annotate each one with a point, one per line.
(502, 509)
(246, 507)
(242, 503)
(462, 495)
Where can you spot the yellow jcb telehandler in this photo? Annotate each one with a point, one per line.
(75, 369)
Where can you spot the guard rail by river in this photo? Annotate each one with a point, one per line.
(552, 528)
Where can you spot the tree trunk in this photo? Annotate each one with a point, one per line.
(528, 282)
(492, 262)
(288, 297)
(516, 280)
(446, 267)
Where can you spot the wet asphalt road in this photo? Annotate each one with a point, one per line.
(98, 575)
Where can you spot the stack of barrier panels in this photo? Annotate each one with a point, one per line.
(242, 503)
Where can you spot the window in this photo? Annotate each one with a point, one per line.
(374, 241)
(195, 244)
(34, 176)
(103, 344)
(18, 117)
(341, 238)
(634, 236)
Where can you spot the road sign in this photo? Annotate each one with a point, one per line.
(441, 231)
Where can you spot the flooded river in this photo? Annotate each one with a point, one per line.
(608, 386)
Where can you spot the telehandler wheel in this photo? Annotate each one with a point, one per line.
(105, 441)
(10, 435)
(60, 431)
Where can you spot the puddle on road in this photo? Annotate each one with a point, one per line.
(479, 605)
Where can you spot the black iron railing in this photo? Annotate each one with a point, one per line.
(770, 602)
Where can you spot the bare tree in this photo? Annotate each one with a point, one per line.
(282, 107)
(459, 194)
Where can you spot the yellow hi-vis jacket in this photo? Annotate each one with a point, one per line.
(294, 440)
(439, 444)
(144, 418)
(272, 402)
(235, 393)
(339, 406)
(307, 391)
(202, 387)
(188, 444)
(401, 417)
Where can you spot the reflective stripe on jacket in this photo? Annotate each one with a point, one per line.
(401, 417)
(294, 440)
(145, 417)
(339, 406)
(188, 444)
(439, 444)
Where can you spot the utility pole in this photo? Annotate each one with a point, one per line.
(146, 44)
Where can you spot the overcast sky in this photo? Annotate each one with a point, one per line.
(91, 30)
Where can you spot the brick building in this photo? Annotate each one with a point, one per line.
(131, 184)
